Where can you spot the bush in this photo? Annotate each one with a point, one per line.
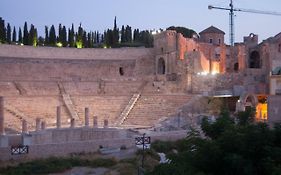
(163, 146)
(54, 165)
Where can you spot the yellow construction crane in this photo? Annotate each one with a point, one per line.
(231, 10)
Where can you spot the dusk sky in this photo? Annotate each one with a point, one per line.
(144, 14)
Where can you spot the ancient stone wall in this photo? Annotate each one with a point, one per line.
(69, 64)
(209, 83)
(274, 109)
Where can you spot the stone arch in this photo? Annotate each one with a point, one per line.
(161, 69)
(246, 100)
(249, 100)
(236, 67)
(255, 61)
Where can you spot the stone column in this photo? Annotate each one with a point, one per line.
(105, 124)
(43, 125)
(87, 117)
(38, 122)
(2, 125)
(72, 123)
(58, 117)
(95, 122)
(24, 126)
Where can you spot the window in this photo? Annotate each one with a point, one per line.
(211, 40)
(121, 71)
(162, 50)
(219, 41)
(236, 67)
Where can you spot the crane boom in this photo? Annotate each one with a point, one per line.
(231, 10)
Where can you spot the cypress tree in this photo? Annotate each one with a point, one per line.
(8, 34)
(115, 34)
(52, 36)
(46, 41)
(25, 34)
(89, 40)
(98, 37)
(63, 36)
(20, 36)
(60, 34)
(35, 37)
(128, 33)
(71, 41)
(136, 35)
(84, 39)
(31, 35)
(123, 35)
(2, 31)
(79, 37)
(14, 35)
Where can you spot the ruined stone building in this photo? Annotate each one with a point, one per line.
(67, 100)
(138, 87)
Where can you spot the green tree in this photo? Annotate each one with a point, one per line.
(84, 39)
(52, 36)
(246, 117)
(188, 33)
(128, 33)
(63, 36)
(115, 34)
(79, 37)
(14, 39)
(46, 41)
(71, 34)
(109, 38)
(8, 34)
(123, 35)
(2, 31)
(20, 40)
(136, 35)
(25, 34)
(32, 36)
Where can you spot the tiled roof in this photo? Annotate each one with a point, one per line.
(212, 29)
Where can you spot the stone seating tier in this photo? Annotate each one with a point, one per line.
(151, 108)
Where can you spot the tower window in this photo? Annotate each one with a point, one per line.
(219, 41)
(211, 40)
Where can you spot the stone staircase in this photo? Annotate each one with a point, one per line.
(124, 114)
(19, 88)
(18, 114)
(70, 107)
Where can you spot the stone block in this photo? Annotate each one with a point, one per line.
(4, 141)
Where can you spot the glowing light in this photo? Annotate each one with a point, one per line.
(79, 44)
(59, 44)
(204, 73)
(261, 111)
(238, 101)
(104, 47)
(214, 72)
(21, 44)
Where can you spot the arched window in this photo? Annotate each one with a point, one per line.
(255, 61)
(161, 66)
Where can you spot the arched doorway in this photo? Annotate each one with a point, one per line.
(246, 101)
(236, 67)
(255, 61)
(161, 66)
